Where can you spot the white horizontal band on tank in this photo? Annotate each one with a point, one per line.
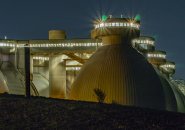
(117, 24)
(162, 56)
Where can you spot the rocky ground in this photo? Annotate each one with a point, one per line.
(17, 112)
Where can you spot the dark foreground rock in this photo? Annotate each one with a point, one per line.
(17, 112)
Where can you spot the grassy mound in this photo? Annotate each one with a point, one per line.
(17, 112)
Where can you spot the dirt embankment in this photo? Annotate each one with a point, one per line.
(17, 112)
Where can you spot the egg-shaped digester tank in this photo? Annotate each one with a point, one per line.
(118, 70)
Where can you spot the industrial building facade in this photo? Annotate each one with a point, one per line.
(116, 59)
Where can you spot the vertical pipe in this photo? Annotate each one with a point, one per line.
(16, 55)
(27, 69)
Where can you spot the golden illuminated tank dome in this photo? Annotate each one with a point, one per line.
(156, 57)
(116, 26)
(57, 35)
(123, 74)
(144, 43)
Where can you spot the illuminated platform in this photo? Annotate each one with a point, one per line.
(156, 57)
(168, 68)
(120, 23)
(144, 43)
(115, 26)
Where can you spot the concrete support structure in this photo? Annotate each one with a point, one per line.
(70, 77)
(57, 77)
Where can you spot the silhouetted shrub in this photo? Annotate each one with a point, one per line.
(100, 95)
(114, 102)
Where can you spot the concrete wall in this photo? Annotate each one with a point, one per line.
(70, 77)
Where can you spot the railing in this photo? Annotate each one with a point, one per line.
(33, 87)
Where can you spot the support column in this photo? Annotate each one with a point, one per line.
(20, 60)
(31, 67)
(57, 77)
(27, 70)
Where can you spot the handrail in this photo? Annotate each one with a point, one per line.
(33, 87)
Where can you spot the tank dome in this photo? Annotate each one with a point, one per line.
(123, 74)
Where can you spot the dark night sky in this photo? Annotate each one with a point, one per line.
(31, 19)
